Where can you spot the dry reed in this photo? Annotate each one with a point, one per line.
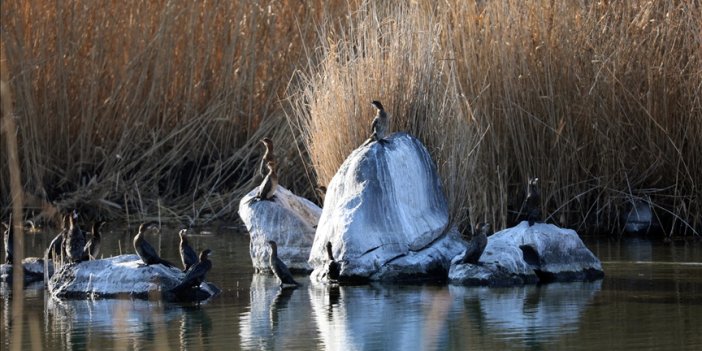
(131, 109)
(156, 107)
(600, 100)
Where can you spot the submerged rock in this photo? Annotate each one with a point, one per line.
(288, 219)
(122, 276)
(33, 270)
(529, 254)
(386, 216)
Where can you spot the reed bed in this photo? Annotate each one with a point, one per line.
(138, 110)
(155, 108)
(600, 100)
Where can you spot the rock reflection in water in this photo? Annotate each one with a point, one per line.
(76, 322)
(532, 314)
(274, 316)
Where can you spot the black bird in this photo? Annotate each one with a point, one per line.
(533, 202)
(187, 254)
(196, 274)
(333, 267)
(74, 241)
(145, 251)
(477, 245)
(269, 185)
(56, 249)
(92, 248)
(380, 123)
(267, 157)
(8, 239)
(279, 268)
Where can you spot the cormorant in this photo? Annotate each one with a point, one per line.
(196, 274)
(74, 241)
(267, 157)
(380, 123)
(270, 184)
(8, 239)
(533, 204)
(333, 267)
(187, 254)
(92, 248)
(279, 268)
(476, 246)
(145, 251)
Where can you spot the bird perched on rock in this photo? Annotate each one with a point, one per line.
(145, 251)
(380, 123)
(187, 254)
(533, 202)
(8, 238)
(196, 274)
(74, 240)
(267, 189)
(279, 268)
(477, 245)
(267, 156)
(333, 267)
(92, 247)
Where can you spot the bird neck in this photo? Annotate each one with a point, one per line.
(329, 253)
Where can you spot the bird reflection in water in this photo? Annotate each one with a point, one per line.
(334, 298)
(279, 304)
(195, 328)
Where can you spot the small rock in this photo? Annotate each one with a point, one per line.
(120, 276)
(529, 254)
(33, 270)
(289, 220)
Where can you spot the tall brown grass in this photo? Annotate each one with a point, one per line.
(155, 108)
(600, 100)
(140, 109)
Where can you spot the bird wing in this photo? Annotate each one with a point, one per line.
(148, 250)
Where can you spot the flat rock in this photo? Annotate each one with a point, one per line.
(289, 220)
(386, 216)
(33, 270)
(122, 276)
(522, 255)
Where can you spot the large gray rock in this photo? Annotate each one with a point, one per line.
(524, 254)
(33, 270)
(386, 216)
(122, 276)
(288, 219)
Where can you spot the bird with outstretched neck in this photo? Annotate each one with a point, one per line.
(145, 251)
(279, 268)
(333, 267)
(92, 247)
(379, 127)
(187, 254)
(533, 202)
(74, 241)
(268, 156)
(477, 245)
(196, 274)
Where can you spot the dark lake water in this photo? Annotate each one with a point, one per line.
(650, 299)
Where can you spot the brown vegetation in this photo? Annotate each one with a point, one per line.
(156, 107)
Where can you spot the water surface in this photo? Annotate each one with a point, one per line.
(650, 299)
